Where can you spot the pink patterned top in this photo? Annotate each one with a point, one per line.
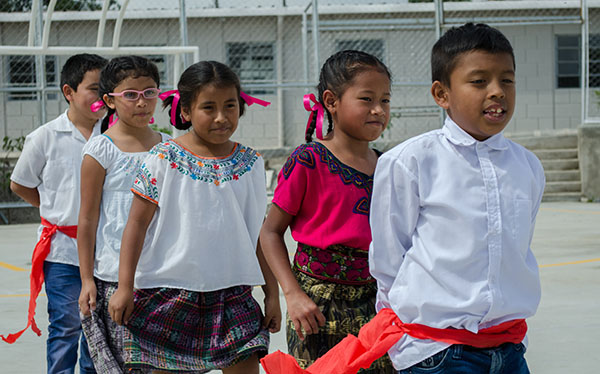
(328, 199)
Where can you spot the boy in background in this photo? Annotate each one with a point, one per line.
(47, 175)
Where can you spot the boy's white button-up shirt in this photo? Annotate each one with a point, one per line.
(51, 162)
(452, 220)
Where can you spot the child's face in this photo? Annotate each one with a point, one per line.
(81, 100)
(214, 114)
(481, 95)
(138, 112)
(363, 110)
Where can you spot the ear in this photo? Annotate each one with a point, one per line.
(439, 91)
(330, 101)
(186, 115)
(109, 101)
(68, 92)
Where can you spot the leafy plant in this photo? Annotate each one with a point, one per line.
(164, 130)
(8, 145)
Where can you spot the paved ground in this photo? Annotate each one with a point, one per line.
(563, 336)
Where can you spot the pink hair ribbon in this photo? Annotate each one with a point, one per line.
(320, 112)
(253, 100)
(163, 96)
(97, 106)
(112, 120)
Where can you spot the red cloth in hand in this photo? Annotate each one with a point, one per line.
(380, 334)
(36, 279)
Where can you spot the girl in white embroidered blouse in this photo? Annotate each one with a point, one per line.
(190, 247)
(129, 88)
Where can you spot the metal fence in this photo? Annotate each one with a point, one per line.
(278, 46)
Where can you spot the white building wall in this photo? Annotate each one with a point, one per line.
(540, 105)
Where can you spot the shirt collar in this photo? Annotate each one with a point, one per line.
(456, 135)
(64, 124)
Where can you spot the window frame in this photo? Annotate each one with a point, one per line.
(51, 72)
(261, 67)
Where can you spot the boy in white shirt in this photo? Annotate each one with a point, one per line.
(453, 213)
(47, 175)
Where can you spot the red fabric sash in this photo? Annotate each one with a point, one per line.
(36, 279)
(380, 334)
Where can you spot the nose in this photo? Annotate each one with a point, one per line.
(496, 90)
(141, 101)
(377, 109)
(220, 118)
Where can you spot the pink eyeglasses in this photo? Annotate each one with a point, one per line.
(133, 95)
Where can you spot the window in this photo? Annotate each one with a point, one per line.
(161, 63)
(568, 61)
(21, 73)
(371, 46)
(253, 63)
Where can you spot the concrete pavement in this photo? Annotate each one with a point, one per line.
(563, 335)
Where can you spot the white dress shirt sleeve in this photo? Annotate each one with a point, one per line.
(28, 169)
(393, 218)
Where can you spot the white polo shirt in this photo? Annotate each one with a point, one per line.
(51, 162)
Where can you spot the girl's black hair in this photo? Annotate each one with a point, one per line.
(337, 74)
(194, 79)
(120, 68)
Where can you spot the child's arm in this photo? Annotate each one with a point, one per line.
(393, 218)
(140, 215)
(272, 319)
(303, 312)
(30, 195)
(92, 182)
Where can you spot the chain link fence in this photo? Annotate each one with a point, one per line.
(271, 45)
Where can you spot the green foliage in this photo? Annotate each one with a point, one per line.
(165, 130)
(61, 5)
(8, 145)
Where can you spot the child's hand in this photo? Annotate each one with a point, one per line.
(272, 319)
(304, 313)
(87, 297)
(120, 305)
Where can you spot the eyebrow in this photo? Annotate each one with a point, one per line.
(233, 99)
(483, 71)
(372, 92)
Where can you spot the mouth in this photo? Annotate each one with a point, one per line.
(375, 123)
(495, 113)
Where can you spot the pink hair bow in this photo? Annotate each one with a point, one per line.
(253, 100)
(163, 96)
(97, 106)
(320, 112)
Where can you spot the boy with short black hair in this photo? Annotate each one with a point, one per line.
(47, 175)
(452, 216)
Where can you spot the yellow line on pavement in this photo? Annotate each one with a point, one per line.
(571, 263)
(11, 267)
(571, 211)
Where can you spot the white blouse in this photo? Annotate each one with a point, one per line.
(121, 170)
(204, 233)
(452, 220)
(51, 162)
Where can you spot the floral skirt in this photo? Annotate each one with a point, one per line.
(193, 332)
(104, 336)
(346, 308)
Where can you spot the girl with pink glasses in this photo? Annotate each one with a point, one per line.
(129, 88)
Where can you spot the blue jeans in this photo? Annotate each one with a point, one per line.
(63, 285)
(505, 359)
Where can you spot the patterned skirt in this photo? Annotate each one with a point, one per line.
(193, 332)
(346, 308)
(104, 336)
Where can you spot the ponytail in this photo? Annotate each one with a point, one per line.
(106, 120)
(180, 123)
(310, 130)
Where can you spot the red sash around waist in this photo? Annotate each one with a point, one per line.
(380, 334)
(36, 279)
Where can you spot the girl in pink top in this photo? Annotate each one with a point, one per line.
(323, 194)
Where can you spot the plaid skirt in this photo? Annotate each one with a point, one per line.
(346, 308)
(193, 332)
(104, 336)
